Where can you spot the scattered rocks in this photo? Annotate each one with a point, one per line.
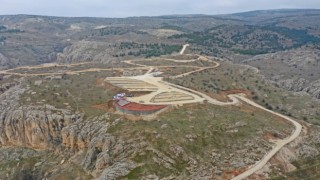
(119, 169)
(191, 137)
(161, 158)
(233, 131)
(164, 126)
(177, 150)
(38, 83)
(314, 89)
(150, 177)
(38, 164)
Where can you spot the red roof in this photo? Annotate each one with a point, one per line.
(140, 107)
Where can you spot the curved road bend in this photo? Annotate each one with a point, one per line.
(278, 144)
(234, 100)
(198, 70)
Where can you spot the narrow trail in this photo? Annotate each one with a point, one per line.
(199, 69)
(195, 71)
(234, 99)
(49, 65)
(75, 72)
(184, 48)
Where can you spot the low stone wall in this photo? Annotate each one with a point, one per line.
(136, 113)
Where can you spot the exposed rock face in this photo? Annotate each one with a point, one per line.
(84, 51)
(31, 126)
(294, 70)
(300, 85)
(314, 89)
(118, 169)
(106, 156)
(309, 146)
(296, 84)
(103, 155)
(202, 173)
(46, 127)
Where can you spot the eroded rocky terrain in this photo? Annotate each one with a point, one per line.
(294, 70)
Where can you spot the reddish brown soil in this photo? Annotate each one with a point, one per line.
(269, 136)
(230, 174)
(109, 106)
(220, 97)
(237, 91)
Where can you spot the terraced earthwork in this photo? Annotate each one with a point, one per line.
(131, 84)
(171, 96)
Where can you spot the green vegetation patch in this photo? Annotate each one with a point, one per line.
(249, 39)
(148, 50)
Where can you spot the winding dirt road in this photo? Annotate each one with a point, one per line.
(234, 99)
(278, 144)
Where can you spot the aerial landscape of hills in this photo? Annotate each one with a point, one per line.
(161, 97)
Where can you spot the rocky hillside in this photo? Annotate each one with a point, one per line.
(296, 70)
(27, 39)
(63, 131)
(63, 126)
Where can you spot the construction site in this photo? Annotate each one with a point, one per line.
(159, 94)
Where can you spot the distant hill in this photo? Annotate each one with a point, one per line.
(32, 39)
